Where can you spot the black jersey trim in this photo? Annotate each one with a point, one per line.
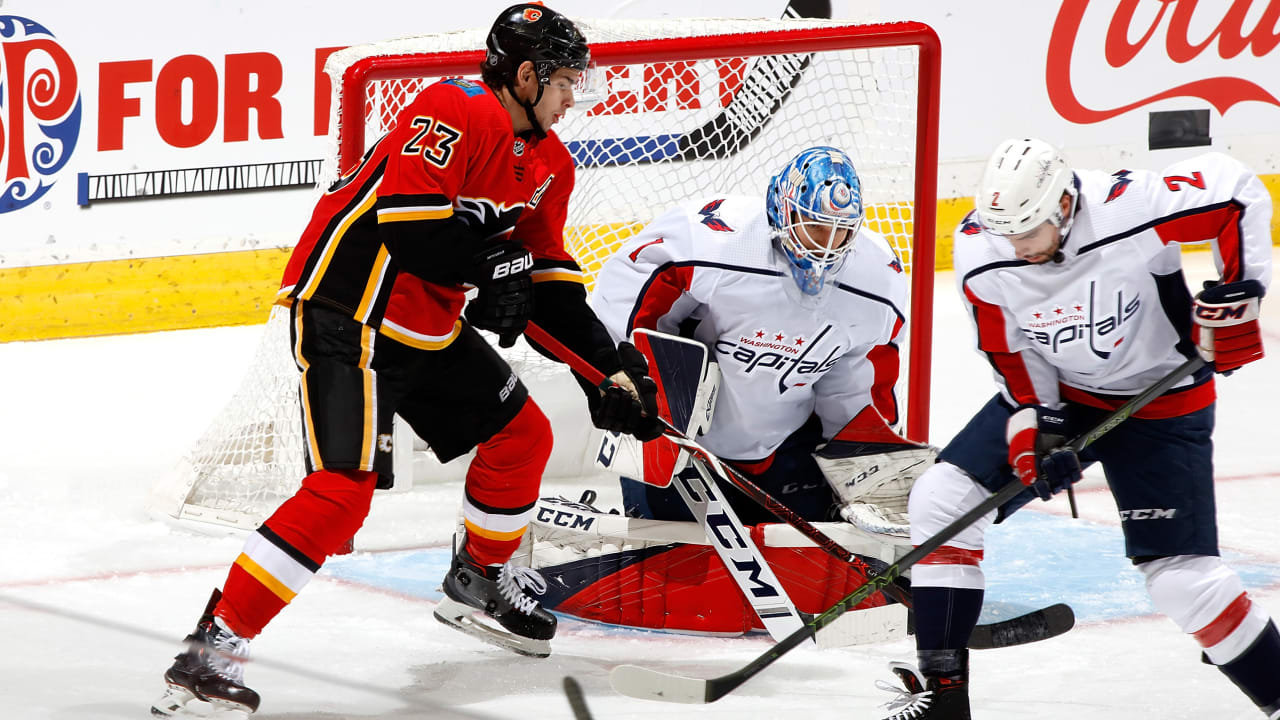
(294, 553)
(1160, 221)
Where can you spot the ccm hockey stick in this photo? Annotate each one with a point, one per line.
(1030, 627)
(639, 682)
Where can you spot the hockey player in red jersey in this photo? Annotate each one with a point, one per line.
(469, 188)
(1074, 282)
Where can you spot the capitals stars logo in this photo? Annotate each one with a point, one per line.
(788, 356)
(970, 226)
(710, 219)
(1121, 183)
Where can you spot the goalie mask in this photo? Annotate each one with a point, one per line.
(537, 34)
(814, 206)
(1022, 187)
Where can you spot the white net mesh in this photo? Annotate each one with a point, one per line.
(691, 109)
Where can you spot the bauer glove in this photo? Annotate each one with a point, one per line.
(505, 300)
(1038, 452)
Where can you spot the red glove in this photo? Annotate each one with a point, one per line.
(1037, 450)
(1226, 324)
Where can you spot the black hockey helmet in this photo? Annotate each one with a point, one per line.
(535, 33)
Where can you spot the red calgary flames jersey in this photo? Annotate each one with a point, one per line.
(452, 152)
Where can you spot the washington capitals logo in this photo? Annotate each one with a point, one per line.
(896, 264)
(970, 226)
(39, 111)
(1119, 186)
(711, 220)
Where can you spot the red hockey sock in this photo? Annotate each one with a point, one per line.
(502, 485)
(282, 556)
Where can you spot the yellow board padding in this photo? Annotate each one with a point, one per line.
(139, 295)
(237, 288)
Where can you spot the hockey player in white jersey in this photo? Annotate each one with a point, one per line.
(803, 309)
(1074, 282)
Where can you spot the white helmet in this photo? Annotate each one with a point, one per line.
(1022, 186)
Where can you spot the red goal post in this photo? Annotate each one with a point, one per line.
(671, 110)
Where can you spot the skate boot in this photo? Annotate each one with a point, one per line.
(939, 690)
(476, 593)
(211, 669)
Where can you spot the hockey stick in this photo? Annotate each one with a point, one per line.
(1030, 627)
(641, 682)
(744, 561)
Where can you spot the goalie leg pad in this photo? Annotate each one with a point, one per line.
(663, 575)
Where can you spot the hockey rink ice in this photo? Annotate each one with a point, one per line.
(95, 596)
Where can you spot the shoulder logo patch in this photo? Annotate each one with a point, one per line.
(710, 217)
(1119, 185)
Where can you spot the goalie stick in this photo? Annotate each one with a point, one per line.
(639, 682)
(1031, 627)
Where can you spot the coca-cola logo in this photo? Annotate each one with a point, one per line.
(39, 110)
(1232, 35)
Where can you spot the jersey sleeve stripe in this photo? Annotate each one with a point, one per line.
(1220, 223)
(660, 292)
(410, 214)
(421, 341)
(560, 274)
(885, 363)
(993, 340)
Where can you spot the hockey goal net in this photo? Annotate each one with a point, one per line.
(671, 110)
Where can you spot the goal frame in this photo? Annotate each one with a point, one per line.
(357, 77)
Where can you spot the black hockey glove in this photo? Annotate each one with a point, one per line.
(501, 273)
(617, 409)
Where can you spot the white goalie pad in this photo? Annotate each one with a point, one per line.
(874, 488)
(690, 384)
(885, 477)
(872, 469)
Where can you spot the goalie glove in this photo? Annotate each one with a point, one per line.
(1226, 324)
(630, 404)
(872, 469)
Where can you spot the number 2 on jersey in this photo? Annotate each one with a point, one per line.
(437, 149)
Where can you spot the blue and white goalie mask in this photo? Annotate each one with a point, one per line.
(815, 208)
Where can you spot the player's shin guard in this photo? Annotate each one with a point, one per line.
(282, 556)
(502, 486)
(1207, 600)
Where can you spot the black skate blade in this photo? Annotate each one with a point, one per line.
(470, 621)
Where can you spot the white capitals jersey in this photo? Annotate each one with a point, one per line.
(707, 270)
(1114, 315)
